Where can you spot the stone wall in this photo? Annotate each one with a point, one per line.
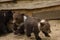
(28, 4)
(46, 13)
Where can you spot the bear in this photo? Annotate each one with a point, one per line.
(30, 25)
(18, 20)
(45, 27)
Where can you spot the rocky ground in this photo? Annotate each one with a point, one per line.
(55, 34)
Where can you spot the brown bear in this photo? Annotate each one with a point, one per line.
(30, 25)
(18, 20)
(45, 27)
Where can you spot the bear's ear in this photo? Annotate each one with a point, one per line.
(42, 21)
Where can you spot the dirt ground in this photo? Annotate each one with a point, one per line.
(55, 35)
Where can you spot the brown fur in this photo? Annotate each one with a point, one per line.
(31, 26)
(45, 28)
(18, 20)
